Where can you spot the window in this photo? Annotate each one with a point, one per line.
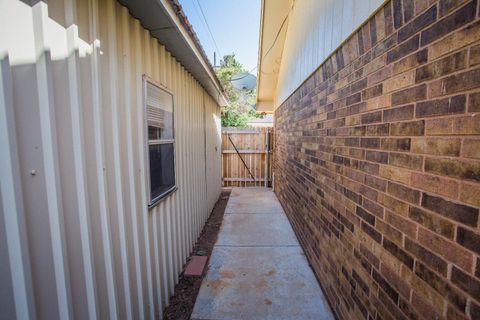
(160, 142)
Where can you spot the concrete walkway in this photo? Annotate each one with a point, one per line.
(258, 269)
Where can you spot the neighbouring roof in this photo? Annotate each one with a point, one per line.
(167, 22)
(268, 118)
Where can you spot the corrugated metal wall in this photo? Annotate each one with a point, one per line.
(76, 237)
(315, 29)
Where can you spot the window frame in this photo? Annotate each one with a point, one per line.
(152, 202)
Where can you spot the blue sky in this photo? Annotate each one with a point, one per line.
(233, 23)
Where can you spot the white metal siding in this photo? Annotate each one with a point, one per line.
(79, 239)
(315, 29)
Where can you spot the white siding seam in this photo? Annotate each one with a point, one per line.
(100, 162)
(79, 164)
(113, 61)
(12, 200)
(129, 140)
(49, 152)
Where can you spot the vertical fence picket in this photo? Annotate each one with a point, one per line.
(248, 167)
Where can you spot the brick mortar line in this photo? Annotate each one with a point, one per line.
(417, 205)
(376, 244)
(394, 34)
(257, 246)
(467, 67)
(424, 156)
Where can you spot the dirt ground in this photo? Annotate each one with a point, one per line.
(186, 291)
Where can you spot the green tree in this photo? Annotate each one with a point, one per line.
(239, 111)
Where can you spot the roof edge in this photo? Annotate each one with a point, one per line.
(167, 22)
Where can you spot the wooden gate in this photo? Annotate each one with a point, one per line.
(247, 157)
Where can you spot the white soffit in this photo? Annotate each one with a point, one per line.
(166, 24)
(273, 27)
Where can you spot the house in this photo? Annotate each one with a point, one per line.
(377, 132)
(110, 161)
(263, 121)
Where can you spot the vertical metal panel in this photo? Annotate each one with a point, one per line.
(331, 22)
(16, 260)
(80, 239)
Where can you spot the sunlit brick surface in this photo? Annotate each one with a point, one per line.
(377, 165)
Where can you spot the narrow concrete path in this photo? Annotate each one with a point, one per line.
(258, 269)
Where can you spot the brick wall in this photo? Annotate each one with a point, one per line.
(378, 165)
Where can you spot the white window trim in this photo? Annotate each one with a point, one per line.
(147, 143)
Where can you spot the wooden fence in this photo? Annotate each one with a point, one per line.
(247, 157)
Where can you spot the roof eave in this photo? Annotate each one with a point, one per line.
(167, 23)
(271, 42)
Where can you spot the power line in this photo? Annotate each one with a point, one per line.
(208, 27)
(276, 37)
(198, 14)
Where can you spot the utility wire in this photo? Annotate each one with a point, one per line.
(198, 14)
(276, 38)
(208, 27)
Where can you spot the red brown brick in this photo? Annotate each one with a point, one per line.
(474, 311)
(405, 160)
(399, 253)
(372, 117)
(441, 285)
(393, 204)
(403, 49)
(450, 23)
(435, 184)
(411, 61)
(397, 13)
(404, 225)
(409, 95)
(403, 193)
(459, 212)
(474, 57)
(456, 168)
(455, 41)
(439, 68)
(453, 126)
(396, 144)
(455, 83)
(441, 107)
(395, 174)
(419, 23)
(446, 6)
(471, 148)
(432, 222)
(424, 308)
(466, 282)
(413, 128)
(396, 281)
(398, 113)
(372, 92)
(446, 249)
(474, 102)
(377, 156)
(469, 239)
(400, 81)
(436, 146)
(470, 193)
